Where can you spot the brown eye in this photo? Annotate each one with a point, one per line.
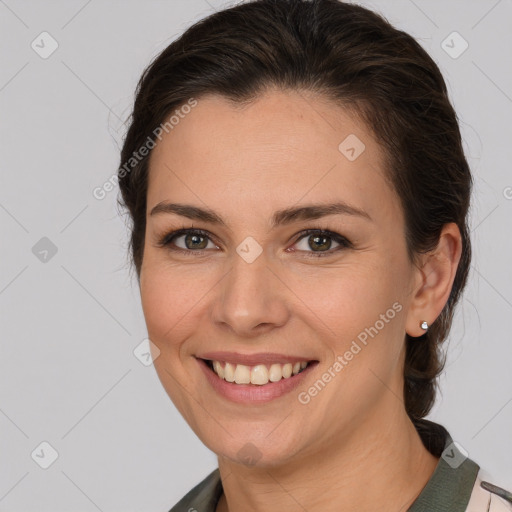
(320, 242)
(187, 240)
(194, 241)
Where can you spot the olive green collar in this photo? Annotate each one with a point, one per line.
(450, 486)
(448, 489)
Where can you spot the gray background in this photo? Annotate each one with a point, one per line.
(70, 323)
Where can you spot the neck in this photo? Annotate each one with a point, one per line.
(380, 466)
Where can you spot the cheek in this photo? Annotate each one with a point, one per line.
(176, 298)
(358, 315)
(362, 317)
(171, 301)
(344, 301)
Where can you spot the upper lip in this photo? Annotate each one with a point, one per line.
(252, 359)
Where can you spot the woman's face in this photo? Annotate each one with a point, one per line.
(256, 284)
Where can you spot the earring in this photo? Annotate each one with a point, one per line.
(424, 325)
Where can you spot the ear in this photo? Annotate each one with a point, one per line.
(434, 280)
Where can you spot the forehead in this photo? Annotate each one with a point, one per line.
(285, 146)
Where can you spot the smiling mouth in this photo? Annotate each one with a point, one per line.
(259, 374)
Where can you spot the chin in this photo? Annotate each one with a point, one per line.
(253, 451)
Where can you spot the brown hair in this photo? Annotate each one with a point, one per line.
(350, 55)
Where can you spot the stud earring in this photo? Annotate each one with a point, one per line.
(424, 325)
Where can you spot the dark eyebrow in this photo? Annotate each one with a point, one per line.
(316, 211)
(280, 217)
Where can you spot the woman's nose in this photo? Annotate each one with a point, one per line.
(251, 299)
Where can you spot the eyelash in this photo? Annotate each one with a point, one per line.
(168, 238)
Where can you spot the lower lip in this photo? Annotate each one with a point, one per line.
(253, 393)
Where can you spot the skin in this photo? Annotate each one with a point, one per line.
(352, 447)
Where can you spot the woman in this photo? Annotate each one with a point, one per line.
(299, 196)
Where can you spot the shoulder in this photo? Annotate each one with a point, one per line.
(203, 497)
(487, 497)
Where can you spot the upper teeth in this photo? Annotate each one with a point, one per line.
(259, 374)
